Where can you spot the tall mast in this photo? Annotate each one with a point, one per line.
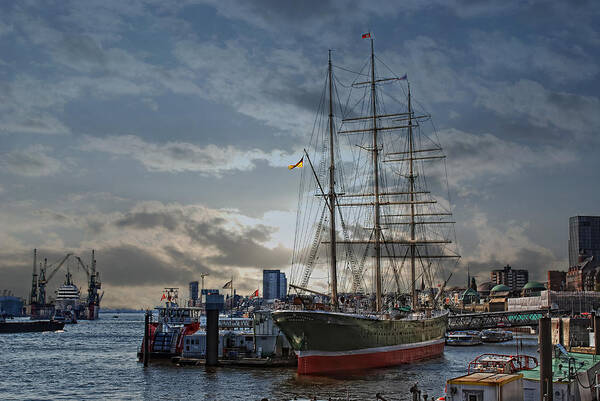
(375, 150)
(332, 238)
(411, 180)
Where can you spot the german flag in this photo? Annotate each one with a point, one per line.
(299, 164)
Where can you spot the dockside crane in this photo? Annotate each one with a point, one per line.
(43, 280)
(33, 298)
(94, 284)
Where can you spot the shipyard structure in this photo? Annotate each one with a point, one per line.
(69, 303)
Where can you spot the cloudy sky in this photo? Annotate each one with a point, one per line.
(158, 133)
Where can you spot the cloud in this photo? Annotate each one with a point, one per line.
(312, 20)
(234, 73)
(499, 55)
(153, 245)
(147, 220)
(32, 161)
(474, 157)
(29, 105)
(5, 28)
(570, 113)
(210, 160)
(506, 243)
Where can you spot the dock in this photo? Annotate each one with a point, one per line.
(242, 362)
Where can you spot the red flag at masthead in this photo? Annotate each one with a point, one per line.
(366, 35)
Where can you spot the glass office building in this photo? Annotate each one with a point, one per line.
(584, 239)
(274, 284)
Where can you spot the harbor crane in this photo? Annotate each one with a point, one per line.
(202, 275)
(94, 284)
(43, 280)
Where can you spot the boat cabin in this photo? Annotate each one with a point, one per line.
(485, 386)
(178, 315)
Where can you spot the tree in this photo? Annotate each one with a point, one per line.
(473, 284)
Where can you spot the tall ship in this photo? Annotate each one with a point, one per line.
(368, 220)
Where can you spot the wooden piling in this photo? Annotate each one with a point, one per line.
(545, 341)
(596, 323)
(212, 337)
(146, 338)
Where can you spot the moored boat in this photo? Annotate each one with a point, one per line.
(499, 363)
(327, 342)
(30, 326)
(463, 338)
(391, 217)
(496, 336)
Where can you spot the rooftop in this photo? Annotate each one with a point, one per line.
(583, 362)
(534, 285)
(470, 292)
(500, 288)
(485, 379)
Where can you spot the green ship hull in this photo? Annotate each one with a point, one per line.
(328, 342)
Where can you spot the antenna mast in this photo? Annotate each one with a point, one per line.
(332, 238)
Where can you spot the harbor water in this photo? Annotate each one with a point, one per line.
(97, 360)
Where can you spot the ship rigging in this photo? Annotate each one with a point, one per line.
(379, 204)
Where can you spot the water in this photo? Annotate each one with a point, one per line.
(97, 360)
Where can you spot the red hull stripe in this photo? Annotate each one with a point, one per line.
(315, 362)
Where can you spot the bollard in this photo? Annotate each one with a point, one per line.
(545, 341)
(596, 334)
(561, 334)
(416, 394)
(146, 338)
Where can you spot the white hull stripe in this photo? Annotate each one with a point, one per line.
(375, 350)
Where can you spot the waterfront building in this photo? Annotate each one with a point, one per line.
(584, 239)
(206, 293)
(557, 280)
(11, 305)
(533, 288)
(194, 291)
(583, 276)
(573, 301)
(515, 279)
(282, 286)
(498, 296)
(470, 296)
(484, 289)
(274, 284)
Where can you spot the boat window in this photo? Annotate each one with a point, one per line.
(474, 395)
